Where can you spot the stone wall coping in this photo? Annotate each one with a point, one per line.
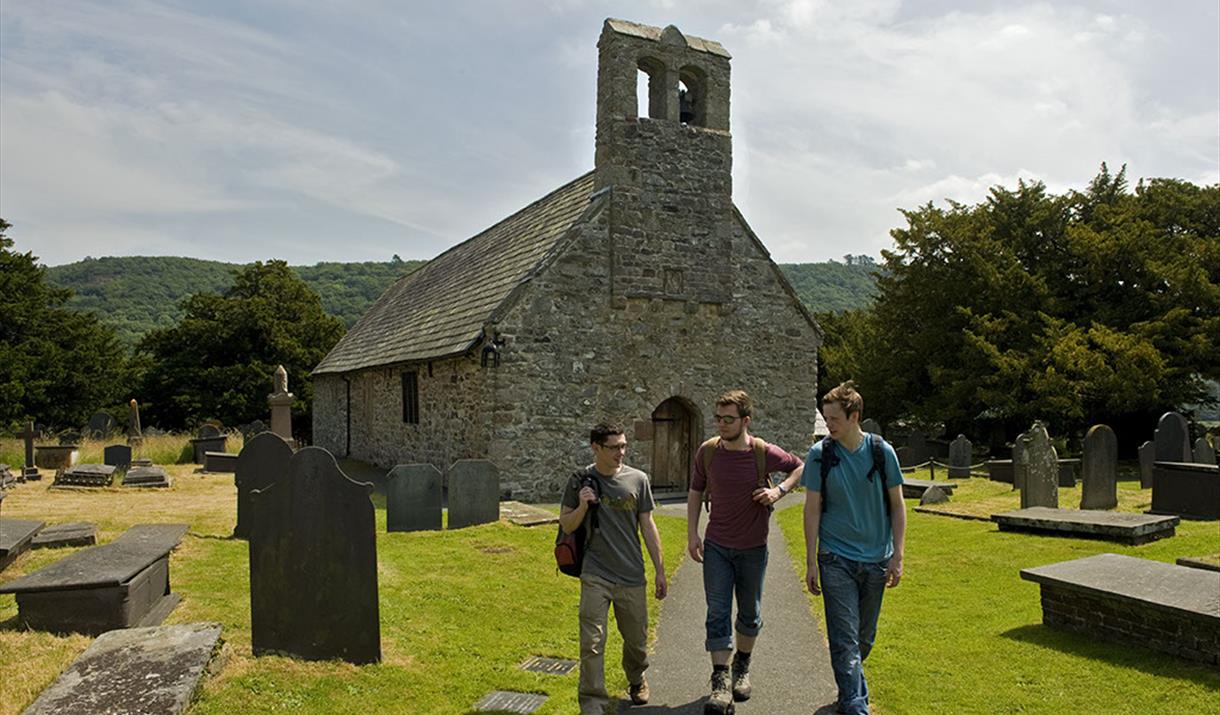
(1179, 590)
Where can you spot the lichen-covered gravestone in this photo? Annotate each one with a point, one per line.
(413, 498)
(1100, 466)
(313, 564)
(1172, 438)
(474, 493)
(1203, 452)
(261, 463)
(960, 452)
(1041, 466)
(1147, 453)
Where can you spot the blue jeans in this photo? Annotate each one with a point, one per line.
(725, 572)
(851, 594)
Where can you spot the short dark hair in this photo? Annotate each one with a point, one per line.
(739, 398)
(602, 430)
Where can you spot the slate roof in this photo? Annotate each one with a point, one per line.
(440, 309)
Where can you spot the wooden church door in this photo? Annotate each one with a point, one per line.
(675, 437)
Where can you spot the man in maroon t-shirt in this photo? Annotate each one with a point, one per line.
(734, 555)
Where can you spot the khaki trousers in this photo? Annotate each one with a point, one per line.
(631, 613)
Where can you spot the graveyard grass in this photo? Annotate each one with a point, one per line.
(963, 632)
(459, 610)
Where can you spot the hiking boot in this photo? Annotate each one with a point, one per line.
(639, 693)
(720, 702)
(741, 678)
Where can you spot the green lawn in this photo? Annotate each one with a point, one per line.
(963, 632)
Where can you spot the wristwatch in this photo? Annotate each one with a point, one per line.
(782, 491)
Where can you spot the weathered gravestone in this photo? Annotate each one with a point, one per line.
(474, 493)
(313, 564)
(1172, 438)
(1187, 489)
(29, 472)
(121, 584)
(1018, 458)
(960, 453)
(208, 439)
(1039, 470)
(280, 401)
(6, 476)
(117, 455)
(70, 438)
(1147, 454)
(85, 475)
(413, 498)
(1203, 452)
(906, 457)
(15, 538)
(135, 435)
(1100, 466)
(135, 671)
(918, 443)
(249, 431)
(263, 461)
(871, 425)
(146, 476)
(60, 535)
(100, 425)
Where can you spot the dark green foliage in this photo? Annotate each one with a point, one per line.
(57, 365)
(1101, 305)
(834, 287)
(348, 289)
(217, 361)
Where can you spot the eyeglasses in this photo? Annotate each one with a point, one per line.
(726, 419)
(620, 447)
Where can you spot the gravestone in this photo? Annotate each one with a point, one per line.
(220, 462)
(1018, 460)
(1147, 454)
(1041, 470)
(70, 438)
(1187, 489)
(906, 457)
(1172, 438)
(100, 426)
(474, 493)
(280, 401)
(135, 435)
(960, 453)
(146, 476)
(135, 671)
(261, 463)
(29, 472)
(871, 425)
(209, 438)
(249, 431)
(1123, 527)
(117, 455)
(1203, 452)
(85, 475)
(918, 442)
(313, 564)
(413, 498)
(15, 538)
(60, 535)
(1100, 466)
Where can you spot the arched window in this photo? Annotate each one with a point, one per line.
(692, 96)
(652, 96)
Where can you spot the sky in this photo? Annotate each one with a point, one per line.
(359, 130)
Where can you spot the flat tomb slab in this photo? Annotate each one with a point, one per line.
(87, 475)
(1170, 608)
(146, 477)
(76, 534)
(1187, 489)
(914, 488)
(523, 514)
(1122, 527)
(136, 671)
(224, 462)
(15, 538)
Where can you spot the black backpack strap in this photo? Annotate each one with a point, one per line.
(878, 449)
(829, 459)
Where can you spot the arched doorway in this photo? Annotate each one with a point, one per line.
(676, 435)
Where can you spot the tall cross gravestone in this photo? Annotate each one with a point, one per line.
(474, 493)
(313, 564)
(1041, 487)
(960, 452)
(263, 461)
(281, 404)
(29, 472)
(1172, 438)
(1099, 464)
(1147, 453)
(413, 498)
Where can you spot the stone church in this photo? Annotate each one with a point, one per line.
(635, 293)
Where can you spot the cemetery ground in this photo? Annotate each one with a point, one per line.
(461, 609)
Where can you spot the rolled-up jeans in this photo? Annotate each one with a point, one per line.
(851, 595)
(631, 614)
(727, 572)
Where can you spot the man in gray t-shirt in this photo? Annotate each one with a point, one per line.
(617, 499)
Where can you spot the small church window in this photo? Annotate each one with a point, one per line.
(410, 397)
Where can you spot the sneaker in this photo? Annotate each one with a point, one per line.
(720, 702)
(639, 693)
(741, 679)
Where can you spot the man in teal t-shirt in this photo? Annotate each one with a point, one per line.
(854, 546)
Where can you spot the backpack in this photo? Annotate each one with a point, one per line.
(707, 451)
(830, 459)
(570, 548)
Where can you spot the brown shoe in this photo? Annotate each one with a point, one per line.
(639, 693)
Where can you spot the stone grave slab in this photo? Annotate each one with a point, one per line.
(1122, 527)
(121, 584)
(220, 462)
(86, 475)
(523, 514)
(117, 455)
(142, 462)
(153, 477)
(504, 701)
(1147, 454)
(474, 493)
(79, 533)
(15, 537)
(1100, 469)
(1199, 564)
(262, 462)
(413, 498)
(1172, 438)
(313, 564)
(136, 671)
(914, 488)
(58, 456)
(1140, 602)
(1186, 489)
(1203, 452)
(549, 666)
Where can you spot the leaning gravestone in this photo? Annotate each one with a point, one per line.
(313, 564)
(261, 463)
(1147, 454)
(100, 425)
(474, 493)
(1172, 438)
(1100, 466)
(117, 455)
(960, 452)
(413, 498)
(871, 425)
(1203, 452)
(1041, 466)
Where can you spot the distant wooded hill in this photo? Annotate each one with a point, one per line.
(136, 294)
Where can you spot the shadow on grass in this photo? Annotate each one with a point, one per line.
(1138, 658)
